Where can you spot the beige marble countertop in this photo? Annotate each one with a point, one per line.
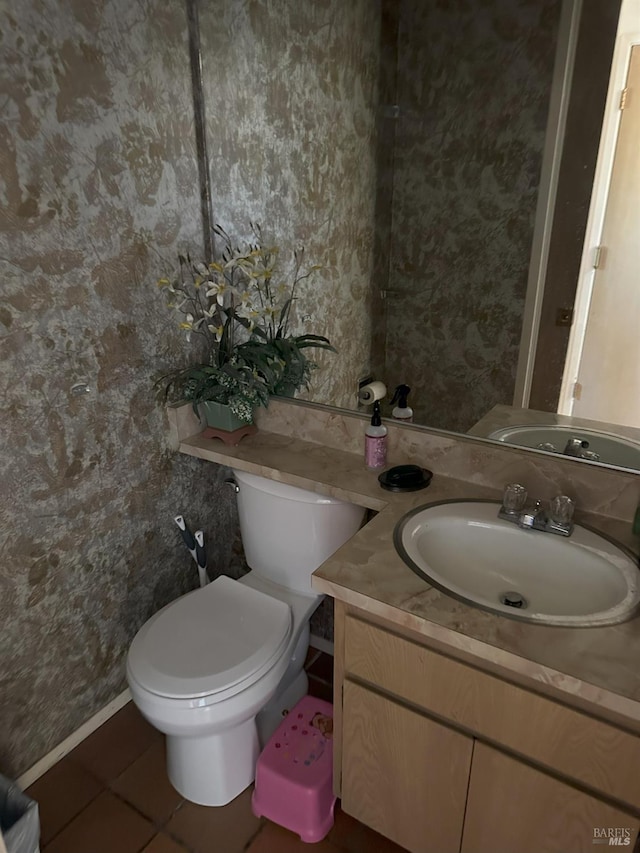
(597, 669)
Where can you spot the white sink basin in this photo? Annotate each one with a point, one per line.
(464, 549)
(612, 449)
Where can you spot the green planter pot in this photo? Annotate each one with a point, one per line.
(220, 416)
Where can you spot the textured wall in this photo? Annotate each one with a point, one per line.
(473, 89)
(99, 183)
(291, 97)
(99, 192)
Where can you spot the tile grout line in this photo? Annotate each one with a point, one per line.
(75, 816)
(89, 772)
(254, 836)
(159, 827)
(106, 788)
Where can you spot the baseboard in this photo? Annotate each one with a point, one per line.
(58, 752)
(69, 743)
(321, 644)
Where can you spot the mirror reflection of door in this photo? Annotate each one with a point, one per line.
(588, 85)
(608, 371)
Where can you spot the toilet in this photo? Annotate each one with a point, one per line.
(217, 669)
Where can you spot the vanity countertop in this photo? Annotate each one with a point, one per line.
(597, 669)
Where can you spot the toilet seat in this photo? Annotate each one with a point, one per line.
(213, 639)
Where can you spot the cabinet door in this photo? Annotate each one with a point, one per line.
(514, 807)
(403, 774)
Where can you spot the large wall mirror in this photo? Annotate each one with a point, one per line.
(438, 158)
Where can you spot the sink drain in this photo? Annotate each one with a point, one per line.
(513, 599)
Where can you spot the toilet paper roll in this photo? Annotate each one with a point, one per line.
(372, 392)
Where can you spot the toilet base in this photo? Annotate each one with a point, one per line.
(212, 770)
(288, 694)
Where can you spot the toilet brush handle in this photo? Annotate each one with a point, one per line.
(201, 558)
(187, 535)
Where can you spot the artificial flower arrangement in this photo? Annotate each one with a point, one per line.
(239, 310)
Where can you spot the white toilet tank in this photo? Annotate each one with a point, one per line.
(288, 532)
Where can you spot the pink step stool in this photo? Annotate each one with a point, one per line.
(294, 772)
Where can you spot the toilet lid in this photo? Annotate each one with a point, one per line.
(209, 640)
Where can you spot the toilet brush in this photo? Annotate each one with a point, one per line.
(187, 536)
(195, 544)
(201, 558)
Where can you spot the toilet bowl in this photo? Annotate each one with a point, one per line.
(215, 669)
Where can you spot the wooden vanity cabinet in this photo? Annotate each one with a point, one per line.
(443, 757)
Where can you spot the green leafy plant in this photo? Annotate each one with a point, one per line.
(238, 310)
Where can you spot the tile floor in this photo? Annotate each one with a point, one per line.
(111, 795)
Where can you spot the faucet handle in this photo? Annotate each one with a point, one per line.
(562, 508)
(514, 498)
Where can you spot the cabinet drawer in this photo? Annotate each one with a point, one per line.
(565, 740)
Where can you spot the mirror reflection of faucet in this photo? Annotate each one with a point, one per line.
(546, 445)
(579, 448)
(557, 520)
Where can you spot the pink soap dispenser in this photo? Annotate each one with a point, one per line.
(375, 441)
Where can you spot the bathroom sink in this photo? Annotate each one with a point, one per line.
(465, 550)
(612, 449)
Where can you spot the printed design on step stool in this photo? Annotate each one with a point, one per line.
(324, 724)
(306, 741)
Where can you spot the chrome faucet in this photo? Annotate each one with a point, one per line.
(579, 448)
(532, 518)
(557, 520)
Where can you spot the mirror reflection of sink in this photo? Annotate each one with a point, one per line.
(465, 550)
(612, 449)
